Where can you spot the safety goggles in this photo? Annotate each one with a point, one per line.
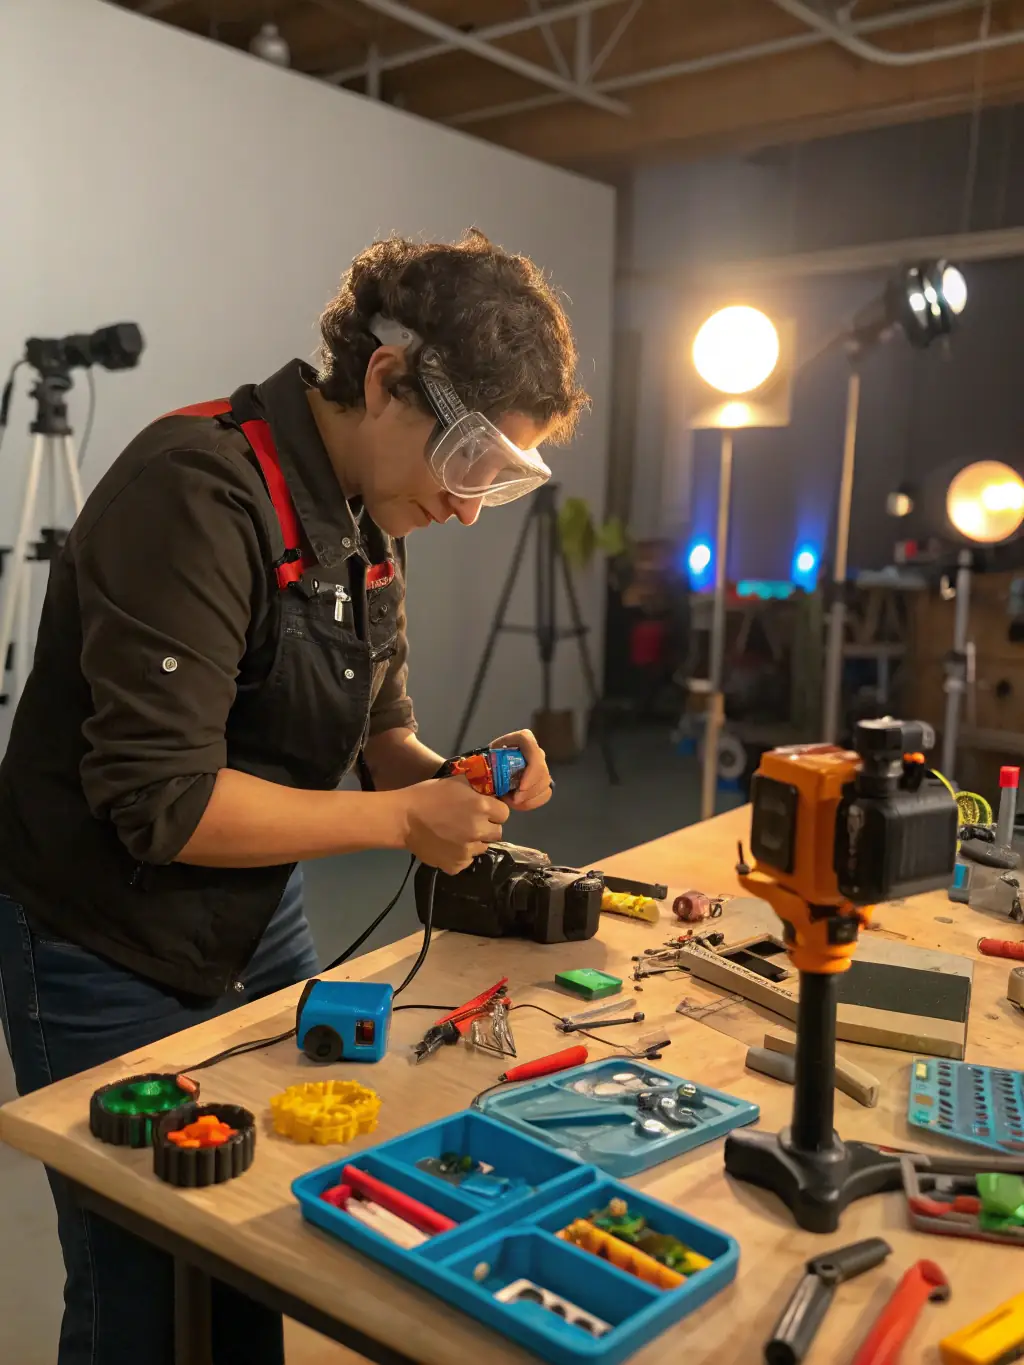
(468, 456)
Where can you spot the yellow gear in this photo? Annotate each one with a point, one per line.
(325, 1111)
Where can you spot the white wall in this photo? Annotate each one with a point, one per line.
(150, 175)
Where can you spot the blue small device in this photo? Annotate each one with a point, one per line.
(344, 1020)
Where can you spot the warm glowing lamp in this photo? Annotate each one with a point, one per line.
(985, 502)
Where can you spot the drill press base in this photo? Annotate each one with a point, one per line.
(815, 1186)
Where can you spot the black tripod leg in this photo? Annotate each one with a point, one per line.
(496, 626)
(589, 677)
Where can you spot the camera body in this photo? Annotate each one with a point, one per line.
(513, 892)
(835, 826)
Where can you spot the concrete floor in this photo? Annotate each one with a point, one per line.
(587, 818)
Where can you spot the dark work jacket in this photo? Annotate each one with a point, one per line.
(167, 651)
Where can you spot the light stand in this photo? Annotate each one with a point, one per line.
(715, 712)
(837, 611)
(956, 664)
(542, 518)
(52, 445)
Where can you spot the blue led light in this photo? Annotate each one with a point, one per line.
(699, 557)
(805, 568)
(805, 561)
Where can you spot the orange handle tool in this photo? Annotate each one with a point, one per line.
(543, 1066)
(923, 1283)
(1001, 947)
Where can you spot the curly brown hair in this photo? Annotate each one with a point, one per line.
(495, 324)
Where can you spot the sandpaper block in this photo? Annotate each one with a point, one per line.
(851, 1079)
(775, 1064)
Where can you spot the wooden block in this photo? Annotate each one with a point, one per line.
(936, 987)
(851, 1079)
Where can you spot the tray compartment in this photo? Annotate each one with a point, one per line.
(596, 1289)
(525, 1163)
(564, 1112)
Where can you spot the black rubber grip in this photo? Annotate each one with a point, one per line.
(845, 1263)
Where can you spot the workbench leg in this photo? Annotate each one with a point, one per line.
(193, 1325)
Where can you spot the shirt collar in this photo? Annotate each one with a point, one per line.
(326, 516)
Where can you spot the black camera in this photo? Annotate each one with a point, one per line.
(513, 892)
(117, 347)
(896, 826)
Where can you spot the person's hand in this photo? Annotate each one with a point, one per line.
(535, 785)
(447, 823)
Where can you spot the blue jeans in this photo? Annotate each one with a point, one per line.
(65, 1010)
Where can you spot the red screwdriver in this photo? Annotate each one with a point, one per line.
(544, 1066)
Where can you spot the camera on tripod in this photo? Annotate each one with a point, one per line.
(861, 827)
(513, 892)
(116, 347)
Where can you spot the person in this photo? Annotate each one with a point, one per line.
(223, 639)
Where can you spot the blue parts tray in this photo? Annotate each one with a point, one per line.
(620, 1115)
(982, 1105)
(504, 1263)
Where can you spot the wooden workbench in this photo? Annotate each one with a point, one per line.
(251, 1230)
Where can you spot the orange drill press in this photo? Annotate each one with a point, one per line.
(833, 832)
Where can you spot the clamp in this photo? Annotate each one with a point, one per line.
(325, 1111)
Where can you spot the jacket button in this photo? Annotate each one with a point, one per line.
(349, 674)
(237, 987)
(169, 664)
(347, 543)
(384, 609)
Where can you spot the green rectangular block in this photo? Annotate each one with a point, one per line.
(589, 983)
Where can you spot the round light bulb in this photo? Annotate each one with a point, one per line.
(899, 504)
(985, 502)
(805, 561)
(700, 558)
(736, 350)
(954, 289)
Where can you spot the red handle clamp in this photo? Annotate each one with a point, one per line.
(923, 1283)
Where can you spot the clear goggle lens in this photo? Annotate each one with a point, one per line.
(473, 459)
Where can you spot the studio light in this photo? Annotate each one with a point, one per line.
(699, 557)
(736, 350)
(985, 502)
(922, 301)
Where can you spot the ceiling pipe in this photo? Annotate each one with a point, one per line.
(571, 10)
(846, 37)
(713, 61)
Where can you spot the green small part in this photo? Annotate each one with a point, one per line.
(589, 983)
(145, 1097)
(1002, 1198)
(466, 1164)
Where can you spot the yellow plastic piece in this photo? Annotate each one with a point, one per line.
(325, 1111)
(636, 907)
(992, 1339)
(582, 1233)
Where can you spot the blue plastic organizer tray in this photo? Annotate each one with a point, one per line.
(982, 1105)
(592, 1111)
(506, 1233)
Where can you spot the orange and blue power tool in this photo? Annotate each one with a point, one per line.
(491, 772)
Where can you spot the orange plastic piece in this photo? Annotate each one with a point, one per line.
(582, 1233)
(207, 1131)
(477, 772)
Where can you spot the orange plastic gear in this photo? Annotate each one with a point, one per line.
(325, 1111)
(208, 1131)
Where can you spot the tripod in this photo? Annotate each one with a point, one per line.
(550, 561)
(52, 445)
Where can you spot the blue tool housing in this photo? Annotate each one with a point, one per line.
(506, 765)
(982, 1105)
(508, 1220)
(344, 1020)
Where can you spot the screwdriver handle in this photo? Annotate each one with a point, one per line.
(544, 1066)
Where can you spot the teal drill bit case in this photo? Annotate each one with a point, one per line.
(503, 1262)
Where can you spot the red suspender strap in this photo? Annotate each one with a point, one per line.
(257, 433)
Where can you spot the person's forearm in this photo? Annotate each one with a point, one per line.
(396, 758)
(252, 823)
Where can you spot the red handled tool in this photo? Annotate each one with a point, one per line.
(544, 1066)
(1001, 947)
(450, 1027)
(923, 1283)
(401, 1205)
